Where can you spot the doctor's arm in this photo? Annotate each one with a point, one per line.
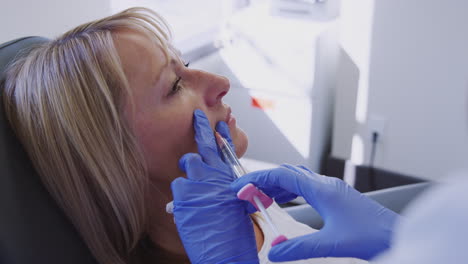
(355, 226)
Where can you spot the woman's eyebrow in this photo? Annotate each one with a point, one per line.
(172, 62)
(177, 57)
(157, 77)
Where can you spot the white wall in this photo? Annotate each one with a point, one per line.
(47, 18)
(415, 71)
(194, 23)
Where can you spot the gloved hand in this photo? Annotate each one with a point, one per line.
(355, 226)
(213, 224)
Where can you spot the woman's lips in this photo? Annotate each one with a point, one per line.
(230, 119)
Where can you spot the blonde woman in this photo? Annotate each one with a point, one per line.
(105, 113)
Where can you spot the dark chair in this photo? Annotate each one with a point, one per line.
(33, 229)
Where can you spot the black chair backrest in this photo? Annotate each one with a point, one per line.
(32, 227)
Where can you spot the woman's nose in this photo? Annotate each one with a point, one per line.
(216, 88)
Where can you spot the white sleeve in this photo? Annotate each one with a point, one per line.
(435, 228)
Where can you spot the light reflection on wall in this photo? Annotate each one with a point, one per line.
(357, 151)
(355, 38)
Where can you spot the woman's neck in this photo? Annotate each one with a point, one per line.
(259, 237)
(161, 227)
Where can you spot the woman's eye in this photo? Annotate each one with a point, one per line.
(175, 87)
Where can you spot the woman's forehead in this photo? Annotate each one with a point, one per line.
(136, 47)
(142, 58)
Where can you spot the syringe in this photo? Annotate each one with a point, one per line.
(249, 192)
(229, 156)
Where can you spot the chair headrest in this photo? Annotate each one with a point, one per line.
(32, 227)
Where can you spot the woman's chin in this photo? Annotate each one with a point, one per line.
(241, 142)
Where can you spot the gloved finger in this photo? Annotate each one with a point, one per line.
(280, 195)
(317, 179)
(223, 129)
(305, 168)
(204, 136)
(186, 192)
(285, 197)
(266, 179)
(192, 165)
(178, 187)
(316, 245)
(249, 207)
(299, 169)
(197, 170)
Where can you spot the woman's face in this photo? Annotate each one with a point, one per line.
(165, 97)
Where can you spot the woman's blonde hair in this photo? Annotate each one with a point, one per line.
(65, 101)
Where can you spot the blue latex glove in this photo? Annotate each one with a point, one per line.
(355, 226)
(213, 224)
